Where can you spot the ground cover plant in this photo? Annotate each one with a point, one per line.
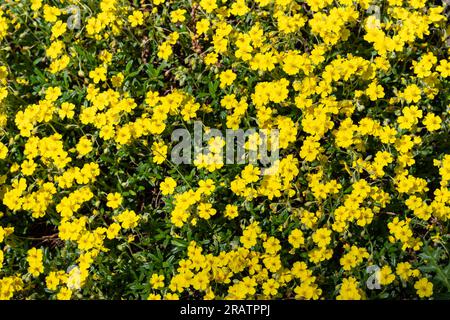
(94, 206)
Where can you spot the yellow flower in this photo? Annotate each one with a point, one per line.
(64, 294)
(386, 276)
(208, 5)
(403, 270)
(113, 230)
(28, 167)
(168, 186)
(117, 79)
(159, 150)
(84, 146)
(322, 237)
(432, 122)
(239, 8)
(310, 149)
(250, 173)
(211, 58)
(58, 29)
(272, 245)
(349, 290)
(52, 281)
(98, 74)
(114, 200)
(296, 238)
(52, 93)
(227, 78)
(178, 15)
(231, 211)
(157, 281)
(35, 262)
(444, 68)
(136, 19)
(55, 49)
(3, 151)
(36, 4)
(51, 13)
(205, 210)
(202, 26)
(270, 287)
(164, 51)
(129, 219)
(171, 296)
(412, 93)
(66, 110)
(424, 288)
(375, 91)
(153, 296)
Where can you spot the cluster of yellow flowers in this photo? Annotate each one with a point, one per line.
(357, 91)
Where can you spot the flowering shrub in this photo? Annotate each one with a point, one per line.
(92, 206)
